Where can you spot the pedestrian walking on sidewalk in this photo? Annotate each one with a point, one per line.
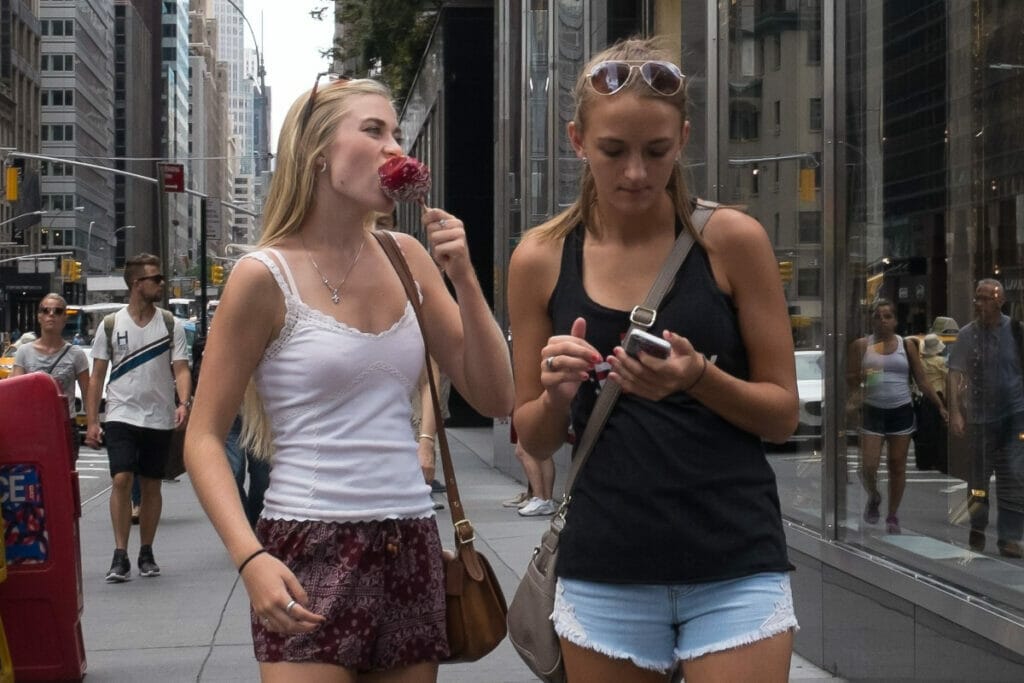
(65, 362)
(314, 330)
(674, 520)
(145, 347)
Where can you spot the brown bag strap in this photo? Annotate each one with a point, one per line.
(464, 534)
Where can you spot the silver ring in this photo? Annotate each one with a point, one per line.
(288, 607)
(550, 363)
(441, 222)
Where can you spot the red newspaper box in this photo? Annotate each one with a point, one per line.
(41, 600)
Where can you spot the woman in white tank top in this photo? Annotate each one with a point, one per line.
(879, 372)
(315, 331)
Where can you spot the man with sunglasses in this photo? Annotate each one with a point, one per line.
(145, 347)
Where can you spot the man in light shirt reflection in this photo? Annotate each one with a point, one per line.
(987, 404)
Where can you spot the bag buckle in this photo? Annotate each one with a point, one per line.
(465, 523)
(643, 317)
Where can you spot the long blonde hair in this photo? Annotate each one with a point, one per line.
(291, 196)
(583, 209)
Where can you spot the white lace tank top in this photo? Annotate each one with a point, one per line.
(338, 400)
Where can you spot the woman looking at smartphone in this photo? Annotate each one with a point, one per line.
(675, 518)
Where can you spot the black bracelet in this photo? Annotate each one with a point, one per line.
(699, 377)
(250, 559)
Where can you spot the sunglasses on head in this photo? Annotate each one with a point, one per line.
(158, 278)
(307, 112)
(52, 310)
(608, 78)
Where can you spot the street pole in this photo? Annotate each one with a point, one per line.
(199, 345)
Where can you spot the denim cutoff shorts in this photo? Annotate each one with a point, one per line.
(656, 625)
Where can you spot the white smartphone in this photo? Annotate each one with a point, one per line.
(638, 340)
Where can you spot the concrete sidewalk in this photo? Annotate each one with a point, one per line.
(192, 623)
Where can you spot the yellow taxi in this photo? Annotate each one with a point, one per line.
(7, 361)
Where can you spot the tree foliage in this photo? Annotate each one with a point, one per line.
(386, 35)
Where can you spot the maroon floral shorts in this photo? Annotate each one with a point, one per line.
(379, 584)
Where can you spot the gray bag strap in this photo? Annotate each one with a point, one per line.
(67, 347)
(642, 316)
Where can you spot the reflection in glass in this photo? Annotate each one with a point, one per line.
(931, 170)
(773, 142)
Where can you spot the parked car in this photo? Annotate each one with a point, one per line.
(7, 361)
(80, 421)
(810, 385)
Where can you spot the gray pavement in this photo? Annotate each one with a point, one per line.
(192, 623)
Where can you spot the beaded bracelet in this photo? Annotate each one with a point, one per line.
(699, 377)
(250, 559)
(424, 436)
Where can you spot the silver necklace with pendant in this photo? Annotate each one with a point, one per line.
(335, 297)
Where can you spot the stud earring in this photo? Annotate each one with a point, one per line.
(323, 166)
(585, 160)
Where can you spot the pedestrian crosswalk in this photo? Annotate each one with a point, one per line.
(92, 464)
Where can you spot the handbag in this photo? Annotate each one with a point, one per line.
(474, 604)
(530, 629)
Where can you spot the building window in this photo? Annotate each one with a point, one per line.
(814, 113)
(809, 227)
(57, 98)
(744, 121)
(57, 63)
(808, 282)
(58, 202)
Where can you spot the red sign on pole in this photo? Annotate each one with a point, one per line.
(173, 177)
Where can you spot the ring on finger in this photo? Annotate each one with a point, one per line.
(288, 607)
(550, 363)
(442, 222)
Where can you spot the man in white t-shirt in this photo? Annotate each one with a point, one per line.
(146, 347)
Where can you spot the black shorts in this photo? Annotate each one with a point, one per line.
(137, 449)
(897, 421)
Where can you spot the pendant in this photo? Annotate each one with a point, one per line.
(335, 299)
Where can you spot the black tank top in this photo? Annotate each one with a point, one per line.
(672, 493)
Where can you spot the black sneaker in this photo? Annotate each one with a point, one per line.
(437, 487)
(147, 565)
(120, 568)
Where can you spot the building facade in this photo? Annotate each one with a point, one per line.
(136, 141)
(77, 121)
(179, 234)
(19, 129)
(242, 69)
(880, 146)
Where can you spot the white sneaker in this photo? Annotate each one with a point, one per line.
(538, 507)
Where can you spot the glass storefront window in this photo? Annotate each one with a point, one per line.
(931, 164)
(770, 141)
(538, 124)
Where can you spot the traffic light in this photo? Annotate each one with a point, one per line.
(74, 271)
(786, 271)
(217, 274)
(65, 268)
(13, 177)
